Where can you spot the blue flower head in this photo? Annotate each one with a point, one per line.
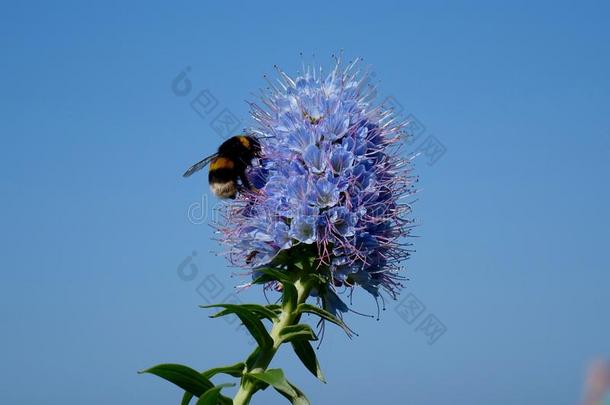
(330, 179)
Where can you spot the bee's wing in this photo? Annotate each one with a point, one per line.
(199, 165)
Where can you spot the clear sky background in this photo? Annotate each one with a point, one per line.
(513, 250)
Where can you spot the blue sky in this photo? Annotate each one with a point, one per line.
(511, 257)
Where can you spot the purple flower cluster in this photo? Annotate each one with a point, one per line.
(330, 178)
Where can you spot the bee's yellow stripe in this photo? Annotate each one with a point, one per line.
(221, 163)
(244, 141)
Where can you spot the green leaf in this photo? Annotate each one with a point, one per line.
(324, 314)
(225, 400)
(300, 399)
(250, 321)
(259, 310)
(275, 378)
(212, 396)
(289, 296)
(299, 332)
(235, 370)
(274, 307)
(252, 358)
(308, 356)
(182, 376)
(263, 279)
(186, 398)
(271, 275)
(262, 311)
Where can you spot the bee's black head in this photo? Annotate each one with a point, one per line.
(242, 146)
(255, 145)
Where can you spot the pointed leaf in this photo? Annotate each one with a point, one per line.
(307, 355)
(299, 399)
(212, 396)
(322, 313)
(236, 370)
(252, 358)
(260, 310)
(271, 275)
(300, 332)
(251, 322)
(275, 378)
(263, 279)
(182, 376)
(186, 398)
(225, 400)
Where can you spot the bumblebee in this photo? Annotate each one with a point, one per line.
(229, 165)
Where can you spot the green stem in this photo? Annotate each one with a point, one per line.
(287, 317)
